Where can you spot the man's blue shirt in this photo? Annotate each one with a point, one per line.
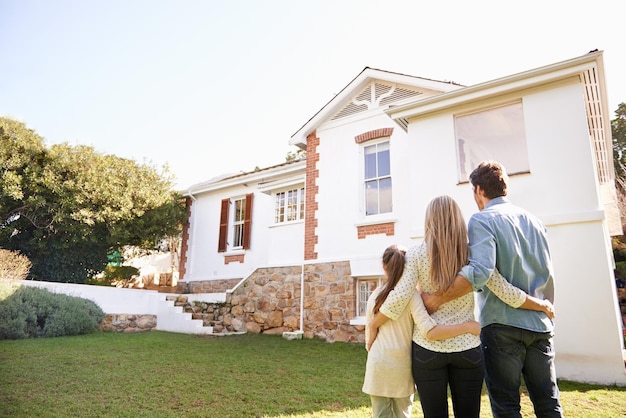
(508, 238)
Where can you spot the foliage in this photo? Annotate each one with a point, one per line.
(32, 312)
(66, 207)
(13, 265)
(161, 374)
(113, 274)
(618, 131)
(300, 154)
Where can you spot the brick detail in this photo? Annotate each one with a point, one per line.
(385, 228)
(375, 134)
(184, 248)
(233, 258)
(310, 211)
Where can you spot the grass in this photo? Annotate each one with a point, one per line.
(160, 374)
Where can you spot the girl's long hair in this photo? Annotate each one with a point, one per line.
(446, 239)
(393, 264)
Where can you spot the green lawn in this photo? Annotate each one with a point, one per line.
(159, 374)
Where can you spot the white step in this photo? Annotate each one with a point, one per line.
(172, 318)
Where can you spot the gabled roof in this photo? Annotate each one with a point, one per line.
(371, 88)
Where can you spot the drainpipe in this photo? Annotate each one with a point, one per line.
(302, 299)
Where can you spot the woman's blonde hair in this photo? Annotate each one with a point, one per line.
(446, 239)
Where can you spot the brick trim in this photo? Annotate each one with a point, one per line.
(310, 208)
(375, 134)
(387, 228)
(233, 258)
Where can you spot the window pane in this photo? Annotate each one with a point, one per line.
(366, 288)
(495, 134)
(371, 197)
(383, 160)
(370, 162)
(385, 195)
(238, 218)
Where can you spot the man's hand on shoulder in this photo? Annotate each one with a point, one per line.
(432, 301)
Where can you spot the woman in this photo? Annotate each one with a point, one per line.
(455, 362)
(388, 378)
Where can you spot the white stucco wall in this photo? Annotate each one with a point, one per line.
(271, 244)
(110, 299)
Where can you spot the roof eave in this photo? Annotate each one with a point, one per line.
(261, 175)
(519, 81)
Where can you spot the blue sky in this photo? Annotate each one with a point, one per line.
(211, 87)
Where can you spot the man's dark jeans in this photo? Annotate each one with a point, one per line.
(433, 372)
(510, 353)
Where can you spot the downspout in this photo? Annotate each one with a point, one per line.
(302, 299)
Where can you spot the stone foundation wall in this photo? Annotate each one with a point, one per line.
(269, 302)
(208, 286)
(128, 323)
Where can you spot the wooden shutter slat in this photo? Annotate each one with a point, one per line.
(223, 236)
(247, 222)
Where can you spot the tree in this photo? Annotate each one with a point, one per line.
(66, 207)
(298, 155)
(618, 131)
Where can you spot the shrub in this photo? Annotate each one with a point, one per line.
(13, 265)
(114, 274)
(31, 312)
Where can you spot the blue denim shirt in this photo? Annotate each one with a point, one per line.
(508, 238)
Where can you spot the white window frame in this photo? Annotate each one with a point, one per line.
(289, 205)
(362, 294)
(237, 224)
(495, 133)
(377, 178)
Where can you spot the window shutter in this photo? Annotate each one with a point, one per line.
(247, 222)
(221, 245)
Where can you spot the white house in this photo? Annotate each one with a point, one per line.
(297, 246)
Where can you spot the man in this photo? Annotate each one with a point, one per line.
(514, 342)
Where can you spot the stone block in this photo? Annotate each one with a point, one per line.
(293, 335)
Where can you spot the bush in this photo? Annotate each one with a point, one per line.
(114, 274)
(13, 265)
(31, 312)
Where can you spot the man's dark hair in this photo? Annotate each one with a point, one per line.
(491, 177)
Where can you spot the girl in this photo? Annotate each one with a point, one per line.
(388, 378)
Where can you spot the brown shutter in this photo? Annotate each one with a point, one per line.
(221, 245)
(247, 222)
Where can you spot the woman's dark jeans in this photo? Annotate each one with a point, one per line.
(511, 353)
(462, 371)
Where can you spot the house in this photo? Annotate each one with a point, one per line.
(297, 247)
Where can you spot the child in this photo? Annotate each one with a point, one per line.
(388, 378)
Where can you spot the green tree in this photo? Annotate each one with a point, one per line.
(66, 207)
(618, 131)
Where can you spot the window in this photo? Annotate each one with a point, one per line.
(289, 206)
(239, 211)
(493, 134)
(240, 220)
(365, 287)
(377, 179)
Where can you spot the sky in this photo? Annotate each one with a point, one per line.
(210, 87)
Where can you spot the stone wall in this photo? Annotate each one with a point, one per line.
(269, 302)
(207, 286)
(128, 323)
